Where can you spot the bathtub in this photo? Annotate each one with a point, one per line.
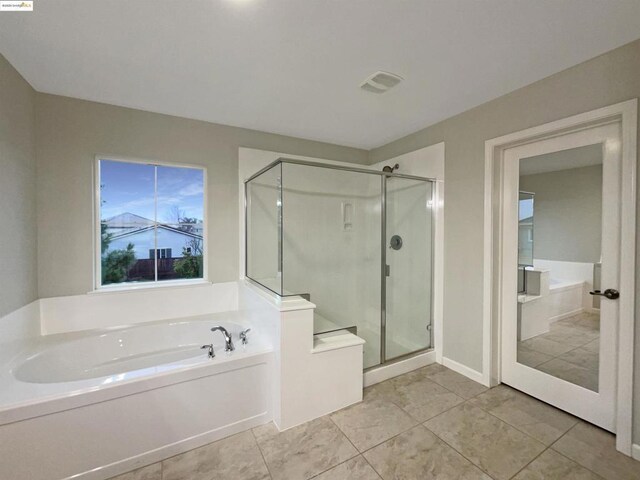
(99, 403)
(566, 298)
(120, 355)
(551, 300)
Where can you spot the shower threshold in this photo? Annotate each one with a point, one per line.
(399, 365)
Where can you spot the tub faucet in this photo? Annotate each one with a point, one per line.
(227, 338)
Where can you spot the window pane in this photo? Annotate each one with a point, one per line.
(180, 222)
(127, 206)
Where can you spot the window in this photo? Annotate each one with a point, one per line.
(164, 252)
(151, 222)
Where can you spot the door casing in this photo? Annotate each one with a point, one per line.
(625, 114)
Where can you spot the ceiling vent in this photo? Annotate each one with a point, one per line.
(380, 82)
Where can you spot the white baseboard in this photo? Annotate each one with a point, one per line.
(385, 372)
(567, 315)
(463, 370)
(635, 451)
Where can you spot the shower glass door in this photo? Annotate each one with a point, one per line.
(409, 264)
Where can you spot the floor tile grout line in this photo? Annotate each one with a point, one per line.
(555, 341)
(574, 461)
(427, 377)
(345, 435)
(422, 421)
(551, 340)
(348, 440)
(390, 438)
(386, 440)
(557, 357)
(361, 453)
(522, 431)
(438, 414)
(458, 452)
(315, 475)
(264, 460)
(577, 463)
(374, 468)
(553, 357)
(506, 423)
(570, 363)
(437, 436)
(529, 463)
(462, 381)
(464, 400)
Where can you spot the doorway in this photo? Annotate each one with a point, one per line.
(407, 255)
(562, 226)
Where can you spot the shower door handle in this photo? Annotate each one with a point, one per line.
(610, 293)
(387, 270)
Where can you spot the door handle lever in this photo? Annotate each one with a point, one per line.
(610, 293)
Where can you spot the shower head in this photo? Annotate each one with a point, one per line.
(389, 169)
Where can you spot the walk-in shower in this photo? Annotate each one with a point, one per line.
(359, 242)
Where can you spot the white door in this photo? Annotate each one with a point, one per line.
(555, 345)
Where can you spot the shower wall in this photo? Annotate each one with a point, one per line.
(331, 248)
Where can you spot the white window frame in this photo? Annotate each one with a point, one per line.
(97, 236)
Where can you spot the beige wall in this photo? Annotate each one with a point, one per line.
(71, 132)
(605, 80)
(18, 253)
(567, 215)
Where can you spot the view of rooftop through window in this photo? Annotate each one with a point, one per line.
(151, 222)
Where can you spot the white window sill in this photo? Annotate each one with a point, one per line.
(124, 288)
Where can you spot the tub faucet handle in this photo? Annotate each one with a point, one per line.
(211, 353)
(243, 336)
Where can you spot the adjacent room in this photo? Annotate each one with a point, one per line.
(331, 240)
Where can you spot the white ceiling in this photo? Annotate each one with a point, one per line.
(294, 66)
(562, 160)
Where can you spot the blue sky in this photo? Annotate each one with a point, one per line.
(526, 208)
(129, 187)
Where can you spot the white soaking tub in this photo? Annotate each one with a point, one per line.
(98, 403)
(566, 298)
(123, 354)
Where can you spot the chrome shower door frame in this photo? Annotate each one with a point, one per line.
(384, 276)
(384, 176)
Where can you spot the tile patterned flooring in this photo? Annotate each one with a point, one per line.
(431, 423)
(568, 351)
